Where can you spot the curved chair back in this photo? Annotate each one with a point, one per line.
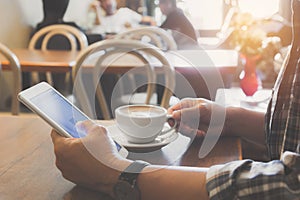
(72, 34)
(152, 34)
(75, 37)
(104, 55)
(17, 78)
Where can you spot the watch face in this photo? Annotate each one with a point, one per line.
(123, 190)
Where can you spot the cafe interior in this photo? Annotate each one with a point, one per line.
(98, 65)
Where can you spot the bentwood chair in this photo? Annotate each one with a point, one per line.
(112, 56)
(153, 35)
(158, 37)
(72, 38)
(16, 77)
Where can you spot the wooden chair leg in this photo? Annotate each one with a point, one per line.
(49, 78)
(35, 78)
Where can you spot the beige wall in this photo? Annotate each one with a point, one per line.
(17, 17)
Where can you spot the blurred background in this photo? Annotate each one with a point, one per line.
(207, 16)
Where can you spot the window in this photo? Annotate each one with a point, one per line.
(259, 8)
(209, 14)
(200, 13)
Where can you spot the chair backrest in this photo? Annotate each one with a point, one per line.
(76, 38)
(109, 53)
(17, 78)
(151, 34)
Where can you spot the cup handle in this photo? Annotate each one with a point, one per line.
(169, 118)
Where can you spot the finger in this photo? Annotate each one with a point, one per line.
(85, 126)
(201, 133)
(188, 117)
(176, 115)
(186, 130)
(96, 136)
(93, 130)
(55, 136)
(177, 106)
(182, 104)
(188, 114)
(172, 109)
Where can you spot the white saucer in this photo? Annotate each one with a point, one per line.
(159, 142)
(259, 97)
(252, 100)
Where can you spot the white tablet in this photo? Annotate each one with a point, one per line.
(56, 110)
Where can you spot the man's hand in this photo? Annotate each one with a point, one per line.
(194, 114)
(92, 161)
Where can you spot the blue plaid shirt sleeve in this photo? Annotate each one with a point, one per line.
(246, 179)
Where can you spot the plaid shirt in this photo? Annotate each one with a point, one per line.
(279, 178)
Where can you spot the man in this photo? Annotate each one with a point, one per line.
(112, 20)
(176, 20)
(54, 11)
(276, 134)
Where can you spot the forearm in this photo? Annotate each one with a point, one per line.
(249, 126)
(170, 182)
(164, 182)
(245, 123)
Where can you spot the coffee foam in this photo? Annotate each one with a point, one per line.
(142, 111)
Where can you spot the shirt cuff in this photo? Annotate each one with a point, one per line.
(247, 179)
(220, 179)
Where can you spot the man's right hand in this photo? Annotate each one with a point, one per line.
(194, 114)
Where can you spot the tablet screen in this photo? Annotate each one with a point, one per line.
(60, 111)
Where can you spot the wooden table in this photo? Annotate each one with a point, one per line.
(202, 71)
(27, 162)
(196, 69)
(199, 73)
(62, 61)
(41, 61)
(225, 60)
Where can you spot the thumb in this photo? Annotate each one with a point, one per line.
(85, 125)
(190, 113)
(55, 136)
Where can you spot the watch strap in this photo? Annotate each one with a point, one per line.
(126, 187)
(131, 173)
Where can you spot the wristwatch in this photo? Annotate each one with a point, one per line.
(126, 187)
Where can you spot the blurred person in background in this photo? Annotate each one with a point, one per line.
(109, 19)
(54, 12)
(178, 23)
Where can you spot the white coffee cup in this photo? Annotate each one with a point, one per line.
(142, 123)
